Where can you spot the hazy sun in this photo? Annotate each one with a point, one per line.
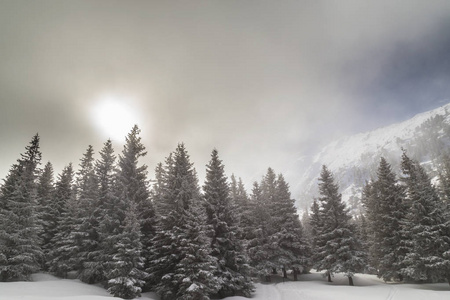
(114, 117)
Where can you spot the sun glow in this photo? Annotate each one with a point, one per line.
(114, 117)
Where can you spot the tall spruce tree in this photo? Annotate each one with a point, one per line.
(45, 191)
(259, 248)
(232, 270)
(126, 276)
(292, 248)
(428, 241)
(86, 222)
(315, 222)
(245, 209)
(94, 268)
(385, 209)
(181, 267)
(62, 257)
(21, 253)
(131, 185)
(337, 249)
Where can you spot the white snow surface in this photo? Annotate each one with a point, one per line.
(309, 287)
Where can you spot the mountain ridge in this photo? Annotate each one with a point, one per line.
(354, 159)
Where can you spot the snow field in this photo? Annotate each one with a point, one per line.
(309, 287)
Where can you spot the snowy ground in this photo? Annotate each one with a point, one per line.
(309, 287)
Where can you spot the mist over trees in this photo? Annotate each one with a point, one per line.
(107, 223)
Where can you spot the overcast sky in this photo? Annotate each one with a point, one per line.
(264, 82)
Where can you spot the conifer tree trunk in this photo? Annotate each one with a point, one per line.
(295, 274)
(329, 277)
(350, 281)
(284, 272)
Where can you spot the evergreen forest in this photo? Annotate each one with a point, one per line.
(107, 221)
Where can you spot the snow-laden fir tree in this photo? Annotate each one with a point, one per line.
(336, 248)
(426, 227)
(372, 209)
(245, 208)
(232, 265)
(64, 250)
(45, 191)
(94, 267)
(315, 223)
(125, 274)
(259, 248)
(292, 249)
(20, 250)
(385, 209)
(131, 185)
(181, 267)
(86, 222)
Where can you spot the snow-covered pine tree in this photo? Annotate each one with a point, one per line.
(337, 249)
(45, 191)
(181, 267)
(293, 250)
(245, 209)
(428, 246)
(361, 234)
(232, 270)
(21, 253)
(126, 277)
(315, 222)
(106, 213)
(259, 248)
(86, 222)
(371, 211)
(385, 209)
(63, 253)
(132, 185)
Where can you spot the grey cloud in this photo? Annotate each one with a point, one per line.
(264, 82)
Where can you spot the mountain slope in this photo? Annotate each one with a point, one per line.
(354, 159)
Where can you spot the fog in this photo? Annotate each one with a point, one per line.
(264, 82)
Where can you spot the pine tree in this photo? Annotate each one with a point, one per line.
(259, 248)
(63, 252)
(20, 249)
(126, 277)
(131, 185)
(106, 213)
(86, 222)
(315, 223)
(337, 249)
(181, 267)
(130, 188)
(226, 245)
(426, 257)
(385, 209)
(245, 208)
(45, 191)
(292, 248)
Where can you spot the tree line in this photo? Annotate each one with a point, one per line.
(107, 223)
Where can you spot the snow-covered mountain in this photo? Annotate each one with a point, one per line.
(354, 159)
